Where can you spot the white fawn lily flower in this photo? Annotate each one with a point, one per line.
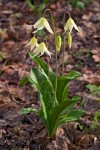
(42, 23)
(33, 43)
(41, 49)
(70, 24)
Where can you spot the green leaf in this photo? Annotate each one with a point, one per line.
(41, 33)
(56, 112)
(62, 85)
(45, 68)
(80, 5)
(76, 113)
(31, 6)
(62, 88)
(1, 55)
(23, 81)
(93, 88)
(41, 8)
(27, 110)
(72, 115)
(66, 119)
(74, 3)
(47, 95)
(76, 98)
(73, 74)
(41, 63)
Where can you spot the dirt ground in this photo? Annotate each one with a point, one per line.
(26, 132)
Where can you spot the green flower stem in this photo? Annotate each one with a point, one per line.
(56, 63)
(64, 42)
(63, 55)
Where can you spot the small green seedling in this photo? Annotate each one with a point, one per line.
(35, 7)
(94, 89)
(81, 4)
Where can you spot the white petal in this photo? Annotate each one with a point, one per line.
(27, 44)
(47, 26)
(32, 46)
(38, 22)
(67, 25)
(36, 50)
(40, 28)
(37, 44)
(74, 25)
(48, 53)
(42, 52)
(36, 54)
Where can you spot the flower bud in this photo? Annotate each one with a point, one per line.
(69, 40)
(58, 43)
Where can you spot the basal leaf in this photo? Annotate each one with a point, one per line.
(62, 85)
(23, 81)
(61, 93)
(45, 68)
(75, 98)
(72, 115)
(56, 111)
(47, 95)
(66, 119)
(76, 113)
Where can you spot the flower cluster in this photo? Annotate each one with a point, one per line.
(41, 48)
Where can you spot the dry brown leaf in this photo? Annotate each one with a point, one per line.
(94, 79)
(82, 33)
(96, 55)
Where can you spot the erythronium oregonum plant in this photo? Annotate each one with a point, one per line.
(55, 106)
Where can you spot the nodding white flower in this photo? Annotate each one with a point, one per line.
(70, 24)
(33, 43)
(69, 40)
(41, 49)
(42, 23)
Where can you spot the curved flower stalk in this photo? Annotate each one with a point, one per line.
(42, 23)
(41, 49)
(33, 43)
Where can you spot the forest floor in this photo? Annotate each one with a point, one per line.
(26, 132)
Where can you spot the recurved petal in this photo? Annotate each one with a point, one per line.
(27, 44)
(47, 26)
(36, 50)
(67, 25)
(38, 22)
(37, 53)
(39, 26)
(42, 52)
(74, 25)
(47, 52)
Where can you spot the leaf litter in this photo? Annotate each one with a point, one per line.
(26, 132)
